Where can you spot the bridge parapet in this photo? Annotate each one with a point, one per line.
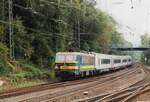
(131, 48)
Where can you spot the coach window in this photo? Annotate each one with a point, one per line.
(99, 61)
(124, 61)
(129, 60)
(105, 61)
(117, 61)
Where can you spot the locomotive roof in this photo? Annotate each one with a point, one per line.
(76, 53)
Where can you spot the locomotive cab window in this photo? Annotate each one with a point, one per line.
(65, 58)
(105, 61)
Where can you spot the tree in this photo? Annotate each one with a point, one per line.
(44, 27)
(145, 41)
(22, 41)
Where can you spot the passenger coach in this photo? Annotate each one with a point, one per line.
(77, 64)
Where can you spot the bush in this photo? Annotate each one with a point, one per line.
(30, 72)
(16, 78)
(33, 72)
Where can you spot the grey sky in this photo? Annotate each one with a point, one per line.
(133, 22)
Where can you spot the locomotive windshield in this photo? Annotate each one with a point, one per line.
(65, 58)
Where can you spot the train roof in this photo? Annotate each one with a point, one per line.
(114, 56)
(93, 54)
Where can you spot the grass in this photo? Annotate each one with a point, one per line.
(9, 86)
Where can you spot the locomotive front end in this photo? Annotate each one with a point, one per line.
(66, 65)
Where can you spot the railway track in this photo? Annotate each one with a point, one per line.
(25, 90)
(88, 83)
(126, 94)
(69, 95)
(121, 96)
(64, 95)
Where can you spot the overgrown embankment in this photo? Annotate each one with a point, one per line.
(17, 74)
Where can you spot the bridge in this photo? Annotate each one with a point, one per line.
(131, 48)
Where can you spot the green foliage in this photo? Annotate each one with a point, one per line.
(16, 78)
(22, 40)
(86, 47)
(2, 34)
(33, 72)
(52, 26)
(30, 72)
(145, 40)
(4, 67)
(3, 51)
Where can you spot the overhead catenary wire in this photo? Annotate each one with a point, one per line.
(43, 33)
(131, 4)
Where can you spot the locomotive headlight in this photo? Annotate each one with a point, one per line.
(56, 67)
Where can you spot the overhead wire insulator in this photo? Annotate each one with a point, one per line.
(131, 4)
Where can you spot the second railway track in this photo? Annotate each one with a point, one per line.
(125, 95)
